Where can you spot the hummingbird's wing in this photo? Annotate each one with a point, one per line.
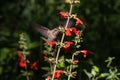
(42, 30)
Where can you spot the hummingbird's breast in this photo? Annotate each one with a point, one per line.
(51, 36)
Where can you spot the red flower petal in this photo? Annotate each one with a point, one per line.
(63, 15)
(78, 22)
(68, 32)
(45, 57)
(85, 52)
(68, 43)
(67, 46)
(66, 49)
(51, 43)
(34, 66)
(75, 62)
(48, 78)
(22, 64)
(58, 73)
(67, 1)
(75, 31)
(20, 56)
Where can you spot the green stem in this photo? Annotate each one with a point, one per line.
(62, 39)
(24, 53)
(27, 76)
(71, 66)
(70, 11)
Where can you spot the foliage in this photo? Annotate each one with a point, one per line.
(101, 35)
(113, 73)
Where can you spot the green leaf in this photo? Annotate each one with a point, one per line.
(1, 70)
(46, 68)
(61, 64)
(96, 69)
(88, 74)
(33, 45)
(4, 53)
(102, 75)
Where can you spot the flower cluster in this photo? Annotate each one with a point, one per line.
(64, 15)
(69, 31)
(67, 46)
(61, 63)
(51, 43)
(22, 62)
(57, 74)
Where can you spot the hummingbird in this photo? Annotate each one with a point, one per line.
(51, 35)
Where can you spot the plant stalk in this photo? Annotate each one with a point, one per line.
(71, 66)
(62, 39)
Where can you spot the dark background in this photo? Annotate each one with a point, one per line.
(102, 18)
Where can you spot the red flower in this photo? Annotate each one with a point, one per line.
(45, 57)
(74, 30)
(85, 52)
(63, 15)
(34, 66)
(58, 73)
(67, 46)
(75, 62)
(20, 56)
(22, 64)
(67, 1)
(78, 21)
(68, 32)
(66, 49)
(51, 43)
(48, 78)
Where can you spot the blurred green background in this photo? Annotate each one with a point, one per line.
(102, 35)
